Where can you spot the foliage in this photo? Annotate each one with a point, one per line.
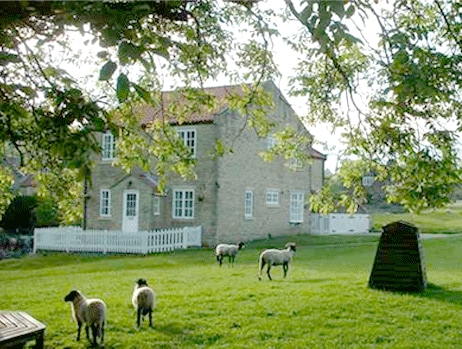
(324, 297)
(51, 114)
(19, 216)
(46, 213)
(404, 127)
(395, 97)
(26, 212)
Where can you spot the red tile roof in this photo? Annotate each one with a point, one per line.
(200, 114)
(317, 155)
(194, 113)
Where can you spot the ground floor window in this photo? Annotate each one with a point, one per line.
(105, 203)
(272, 197)
(297, 203)
(248, 204)
(183, 203)
(156, 206)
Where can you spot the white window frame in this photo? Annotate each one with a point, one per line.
(272, 197)
(270, 142)
(156, 206)
(105, 203)
(108, 146)
(183, 203)
(296, 206)
(248, 204)
(296, 164)
(368, 181)
(189, 136)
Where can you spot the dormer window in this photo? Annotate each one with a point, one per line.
(108, 146)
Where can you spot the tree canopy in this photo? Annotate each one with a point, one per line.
(394, 96)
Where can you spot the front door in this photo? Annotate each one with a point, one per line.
(130, 211)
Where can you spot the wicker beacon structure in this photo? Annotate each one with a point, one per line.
(399, 262)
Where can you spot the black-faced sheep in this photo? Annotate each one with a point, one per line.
(92, 312)
(223, 250)
(272, 257)
(143, 299)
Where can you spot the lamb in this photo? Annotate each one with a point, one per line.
(143, 300)
(231, 251)
(276, 257)
(92, 312)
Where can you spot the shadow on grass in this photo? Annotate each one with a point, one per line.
(180, 334)
(441, 294)
(436, 292)
(310, 281)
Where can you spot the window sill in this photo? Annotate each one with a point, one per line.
(294, 224)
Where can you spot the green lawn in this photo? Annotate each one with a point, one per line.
(446, 221)
(323, 303)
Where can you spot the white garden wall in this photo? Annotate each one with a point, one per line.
(340, 223)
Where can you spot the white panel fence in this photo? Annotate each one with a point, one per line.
(74, 239)
(340, 223)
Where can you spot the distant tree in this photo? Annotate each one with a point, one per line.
(20, 215)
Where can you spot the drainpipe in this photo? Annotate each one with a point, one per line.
(85, 199)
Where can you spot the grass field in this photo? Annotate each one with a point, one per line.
(323, 303)
(441, 221)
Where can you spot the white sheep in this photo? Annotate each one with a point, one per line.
(92, 312)
(276, 257)
(229, 250)
(143, 299)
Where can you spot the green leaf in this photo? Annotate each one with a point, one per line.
(102, 54)
(123, 87)
(128, 51)
(350, 11)
(6, 58)
(338, 8)
(107, 70)
(162, 52)
(143, 93)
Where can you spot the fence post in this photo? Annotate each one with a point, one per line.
(105, 242)
(144, 242)
(67, 239)
(34, 249)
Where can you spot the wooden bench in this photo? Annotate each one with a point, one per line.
(17, 328)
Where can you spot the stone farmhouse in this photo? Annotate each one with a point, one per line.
(236, 197)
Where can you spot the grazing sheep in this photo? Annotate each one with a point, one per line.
(231, 251)
(276, 257)
(143, 300)
(92, 312)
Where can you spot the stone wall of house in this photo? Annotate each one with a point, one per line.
(245, 170)
(106, 176)
(317, 174)
(205, 189)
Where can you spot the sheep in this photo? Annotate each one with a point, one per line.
(92, 312)
(231, 251)
(276, 257)
(143, 299)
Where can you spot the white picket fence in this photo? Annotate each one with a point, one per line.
(74, 239)
(341, 223)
